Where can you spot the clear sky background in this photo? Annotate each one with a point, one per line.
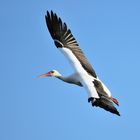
(47, 109)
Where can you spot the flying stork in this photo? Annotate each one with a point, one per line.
(84, 76)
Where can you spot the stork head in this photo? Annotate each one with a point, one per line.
(52, 73)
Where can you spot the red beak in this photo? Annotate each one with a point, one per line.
(44, 75)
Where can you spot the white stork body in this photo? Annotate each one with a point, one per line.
(80, 74)
(84, 75)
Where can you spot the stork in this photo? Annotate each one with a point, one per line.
(84, 75)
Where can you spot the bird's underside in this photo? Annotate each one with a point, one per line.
(65, 41)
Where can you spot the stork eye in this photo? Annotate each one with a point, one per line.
(52, 71)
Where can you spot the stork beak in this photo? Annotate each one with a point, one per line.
(44, 75)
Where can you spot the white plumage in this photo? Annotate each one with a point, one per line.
(81, 75)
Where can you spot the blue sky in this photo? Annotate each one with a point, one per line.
(48, 109)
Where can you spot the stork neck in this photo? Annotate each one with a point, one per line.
(69, 80)
(65, 79)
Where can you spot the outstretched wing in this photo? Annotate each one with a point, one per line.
(63, 38)
(107, 104)
(105, 101)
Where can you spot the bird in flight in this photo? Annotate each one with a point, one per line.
(84, 75)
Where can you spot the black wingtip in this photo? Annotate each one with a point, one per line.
(104, 103)
(115, 111)
(47, 16)
(52, 14)
(118, 114)
(49, 13)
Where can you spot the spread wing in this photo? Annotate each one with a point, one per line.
(63, 38)
(107, 104)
